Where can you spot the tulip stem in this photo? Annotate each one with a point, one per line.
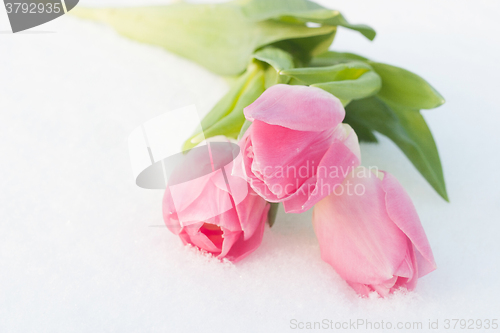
(273, 212)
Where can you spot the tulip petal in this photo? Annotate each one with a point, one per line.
(230, 238)
(241, 249)
(218, 213)
(299, 108)
(374, 235)
(408, 271)
(385, 287)
(199, 239)
(195, 188)
(246, 213)
(360, 288)
(286, 168)
(402, 212)
(337, 163)
(356, 235)
(205, 209)
(408, 265)
(309, 180)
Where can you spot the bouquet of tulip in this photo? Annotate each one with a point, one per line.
(297, 112)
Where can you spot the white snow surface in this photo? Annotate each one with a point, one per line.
(82, 249)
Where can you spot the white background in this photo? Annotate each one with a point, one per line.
(82, 248)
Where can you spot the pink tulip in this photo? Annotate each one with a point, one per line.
(369, 232)
(216, 212)
(297, 149)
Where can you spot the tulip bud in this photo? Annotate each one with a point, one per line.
(216, 212)
(297, 149)
(372, 236)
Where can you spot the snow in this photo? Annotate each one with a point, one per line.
(82, 249)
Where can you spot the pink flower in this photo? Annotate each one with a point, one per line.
(216, 212)
(369, 232)
(297, 148)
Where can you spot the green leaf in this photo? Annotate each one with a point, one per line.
(409, 131)
(219, 37)
(273, 212)
(278, 60)
(364, 133)
(227, 103)
(399, 86)
(340, 72)
(229, 110)
(303, 49)
(223, 107)
(405, 88)
(353, 80)
(275, 57)
(366, 85)
(230, 125)
(333, 17)
(314, 45)
(271, 77)
(330, 58)
(259, 10)
(300, 11)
